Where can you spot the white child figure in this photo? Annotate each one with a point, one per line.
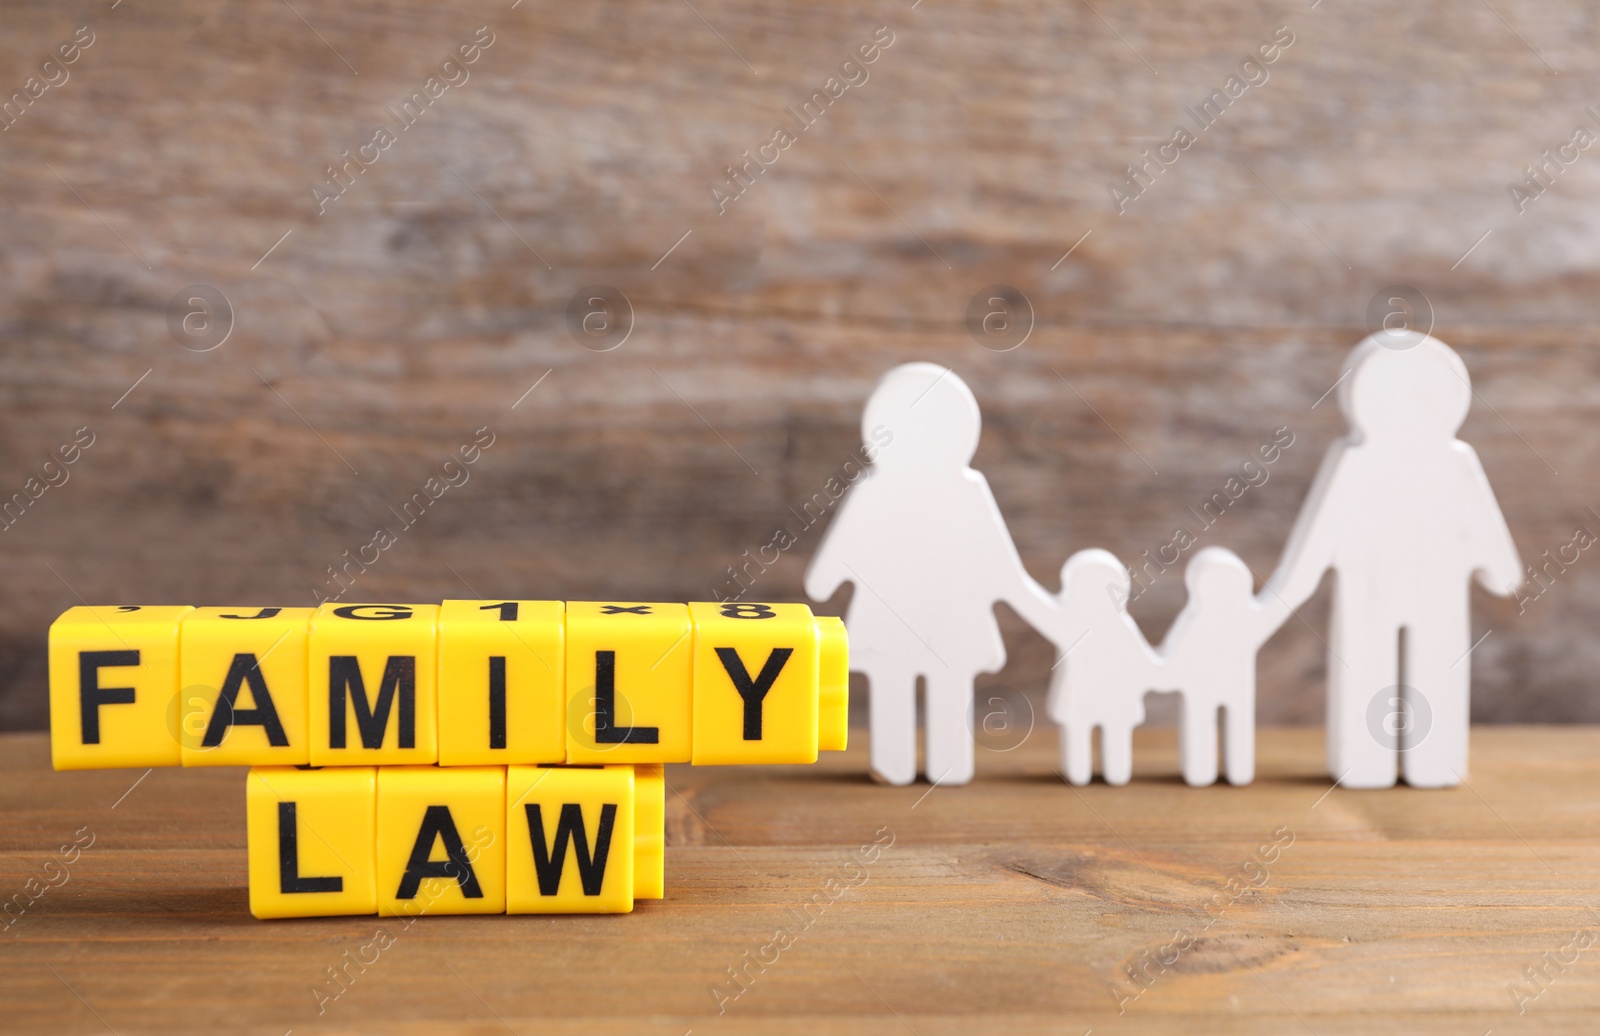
(1210, 656)
(1105, 667)
(1401, 510)
(923, 541)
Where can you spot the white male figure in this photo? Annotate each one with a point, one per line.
(1402, 511)
(923, 541)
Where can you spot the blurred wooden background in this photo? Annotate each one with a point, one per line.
(371, 342)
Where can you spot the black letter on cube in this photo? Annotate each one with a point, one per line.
(606, 732)
(437, 824)
(226, 713)
(289, 879)
(570, 829)
(91, 695)
(754, 692)
(399, 674)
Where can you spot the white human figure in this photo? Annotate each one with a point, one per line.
(1403, 513)
(1105, 667)
(1210, 656)
(923, 541)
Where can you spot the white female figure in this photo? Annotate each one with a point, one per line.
(922, 540)
(1402, 511)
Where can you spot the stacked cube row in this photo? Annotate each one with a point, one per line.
(462, 758)
(417, 840)
(465, 683)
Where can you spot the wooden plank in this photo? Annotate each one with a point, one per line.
(372, 340)
(1015, 903)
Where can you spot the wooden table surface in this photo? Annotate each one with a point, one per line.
(1015, 903)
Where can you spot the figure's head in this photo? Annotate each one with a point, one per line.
(1095, 577)
(931, 413)
(1419, 392)
(1218, 574)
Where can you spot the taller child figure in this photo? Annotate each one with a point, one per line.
(1402, 511)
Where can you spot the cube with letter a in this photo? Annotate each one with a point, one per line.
(372, 678)
(114, 687)
(242, 687)
(441, 840)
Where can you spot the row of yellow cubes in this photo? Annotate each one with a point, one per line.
(463, 683)
(416, 840)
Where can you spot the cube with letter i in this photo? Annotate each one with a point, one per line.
(501, 686)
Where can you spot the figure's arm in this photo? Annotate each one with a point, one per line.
(1499, 567)
(1037, 606)
(827, 571)
(1012, 582)
(1310, 550)
(1269, 614)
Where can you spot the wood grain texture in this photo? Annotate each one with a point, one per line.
(423, 303)
(1015, 901)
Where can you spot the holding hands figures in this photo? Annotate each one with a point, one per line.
(1401, 510)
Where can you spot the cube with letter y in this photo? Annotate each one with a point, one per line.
(756, 682)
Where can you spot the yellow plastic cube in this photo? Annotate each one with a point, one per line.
(649, 832)
(833, 685)
(311, 837)
(756, 670)
(500, 682)
(372, 678)
(628, 682)
(242, 687)
(114, 687)
(569, 839)
(441, 840)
